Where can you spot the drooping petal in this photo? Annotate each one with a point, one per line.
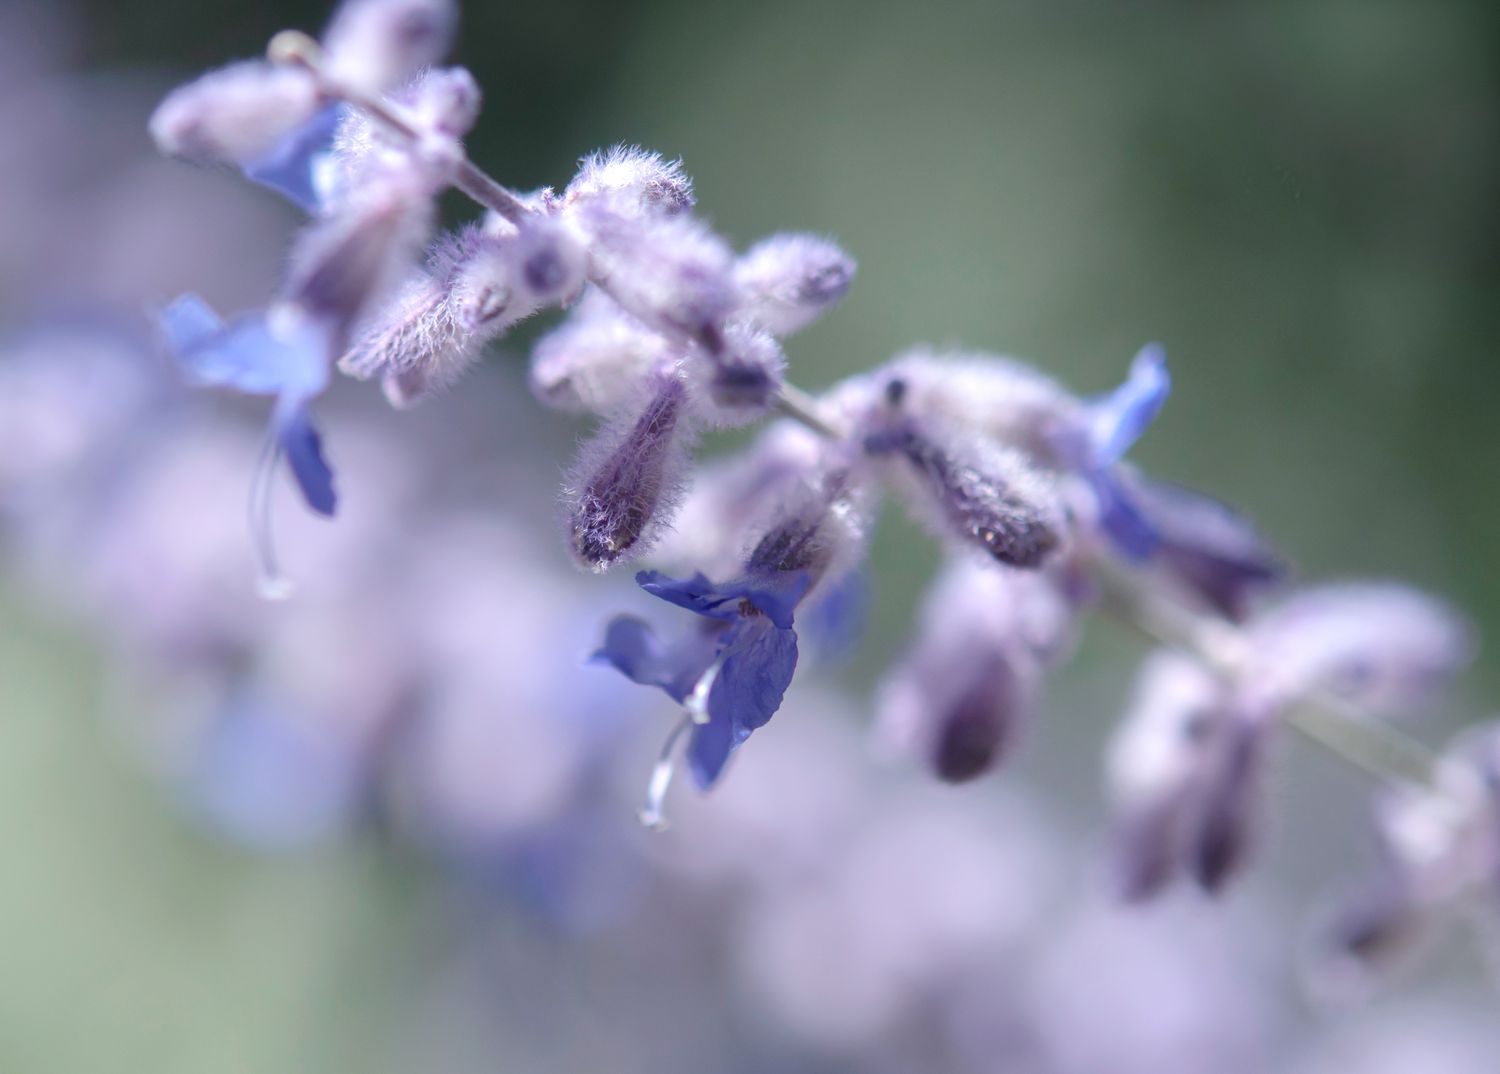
(303, 448)
(1121, 518)
(188, 322)
(632, 648)
(746, 692)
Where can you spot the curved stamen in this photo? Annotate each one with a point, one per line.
(652, 814)
(272, 583)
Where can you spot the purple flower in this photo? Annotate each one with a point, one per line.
(271, 353)
(731, 673)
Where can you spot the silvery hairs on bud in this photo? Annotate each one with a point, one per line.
(633, 180)
(965, 488)
(671, 272)
(474, 288)
(594, 359)
(789, 280)
(739, 384)
(629, 477)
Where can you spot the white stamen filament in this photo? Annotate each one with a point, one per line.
(653, 814)
(697, 701)
(273, 585)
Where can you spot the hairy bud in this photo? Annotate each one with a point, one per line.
(237, 114)
(738, 385)
(790, 280)
(632, 180)
(596, 358)
(987, 497)
(446, 100)
(671, 272)
(626, 478)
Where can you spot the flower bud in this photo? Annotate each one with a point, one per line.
(594, 359)
(633, 180)
(446, 100)
(1163, 764)
(790, 280)
(626, 479)
(739, 385)
(986, 496)
(1383, 647)
(237, 114)
(970, 681)
(670, 272)
(373, 46)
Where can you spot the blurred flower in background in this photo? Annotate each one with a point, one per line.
(390, 824)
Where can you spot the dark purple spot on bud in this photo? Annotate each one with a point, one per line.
(737, 384)
(976, 728)
(545, 272)
(1223, 839)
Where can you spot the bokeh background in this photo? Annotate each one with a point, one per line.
(1297, 199)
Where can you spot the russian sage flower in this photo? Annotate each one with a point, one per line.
(969, 683)
(731, 673)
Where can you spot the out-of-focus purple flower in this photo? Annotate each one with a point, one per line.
(1114, 422)
(967, 687)
(1183, 766)
(241, 114)
(280, 354)
(1382, 647)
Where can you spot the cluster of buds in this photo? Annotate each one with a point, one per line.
(670, 332)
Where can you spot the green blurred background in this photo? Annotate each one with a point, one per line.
(1298, 199)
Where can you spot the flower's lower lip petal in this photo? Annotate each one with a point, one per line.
(304, 454)
(290, 168)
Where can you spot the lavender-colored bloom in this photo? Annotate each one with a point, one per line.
(280, 353)
(1383, 647)
(969, 683)
(376, 45)
(790, 280)
(632, 180)
(627, 478)
(733, 671)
